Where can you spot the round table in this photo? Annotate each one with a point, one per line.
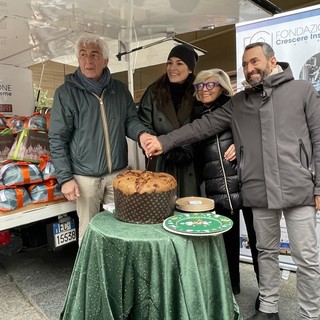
(143, 272)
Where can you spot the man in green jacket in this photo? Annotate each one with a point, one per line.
(91, 117)
(275, 123)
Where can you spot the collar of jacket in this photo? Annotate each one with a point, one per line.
(201, 109)
(280, 74)
(178, 117)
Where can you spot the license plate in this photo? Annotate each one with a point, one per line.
(64, 232)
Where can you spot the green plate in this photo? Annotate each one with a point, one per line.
(198, 224)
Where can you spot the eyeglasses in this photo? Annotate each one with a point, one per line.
(209, 85)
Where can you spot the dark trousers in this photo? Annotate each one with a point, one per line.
(232, 242)
(248, 219)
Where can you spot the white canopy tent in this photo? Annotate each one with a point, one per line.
(36, 31)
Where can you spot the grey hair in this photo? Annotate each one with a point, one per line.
(221, 76)
(266, 48)
(92, 39)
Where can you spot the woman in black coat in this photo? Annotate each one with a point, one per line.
(218, 170)
(168, 104)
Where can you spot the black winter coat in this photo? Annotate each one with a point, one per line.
(218, 174)
(179, 162)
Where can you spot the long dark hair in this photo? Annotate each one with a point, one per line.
(161, 90)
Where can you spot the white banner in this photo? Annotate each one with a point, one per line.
(16, 91)
(295, 38)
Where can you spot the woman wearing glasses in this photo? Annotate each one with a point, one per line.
(218, 169)
(168, 104)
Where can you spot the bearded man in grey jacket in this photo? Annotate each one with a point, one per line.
(275, 122)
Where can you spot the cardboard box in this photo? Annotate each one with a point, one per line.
(29, 146)
(6, 142)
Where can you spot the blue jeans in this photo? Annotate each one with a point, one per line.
(301, 228)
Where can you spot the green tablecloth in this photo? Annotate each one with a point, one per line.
(143, 272)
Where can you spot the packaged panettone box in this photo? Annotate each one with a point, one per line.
(6, 142)
(13, 198)
(47, 169)
(47, 191)
(29, 146)
(16, 173)
(37, 122)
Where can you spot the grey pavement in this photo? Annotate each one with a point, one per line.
(33, 285)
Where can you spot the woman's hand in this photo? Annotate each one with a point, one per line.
(152, 146)
(230, 154)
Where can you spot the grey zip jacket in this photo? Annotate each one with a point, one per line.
(276, 130)
(76, 135)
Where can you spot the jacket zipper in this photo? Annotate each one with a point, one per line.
(240, 160)
(303, 148)
(224, 174)
(106, 132)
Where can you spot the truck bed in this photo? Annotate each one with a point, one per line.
(34, 212)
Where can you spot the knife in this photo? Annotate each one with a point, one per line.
(148, 162)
